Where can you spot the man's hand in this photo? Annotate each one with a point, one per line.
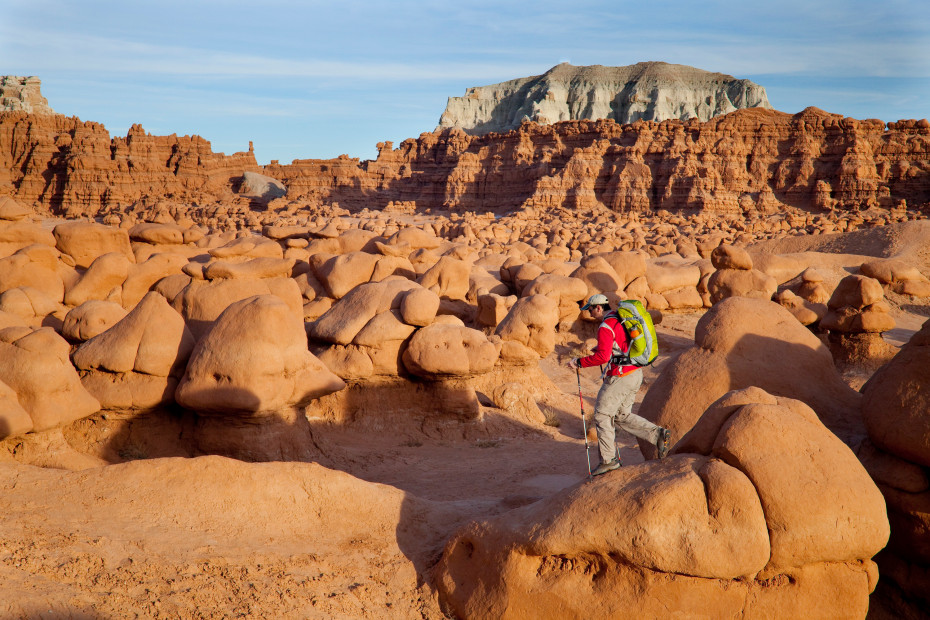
(572, 363)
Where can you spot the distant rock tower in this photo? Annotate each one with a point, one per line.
(22, 94)
(653, 91)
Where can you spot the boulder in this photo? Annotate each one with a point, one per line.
(743, 342)
(730, 257)
(103, 279)
(144, 275)
(255, 268)
(346, 318)
(340, 274)
(531, 322)
(90, 319)
(157, 234)
(448, 278)
(85, 241)
(36, 366)
(201, 302)
(725, 283)
(725, 532)
(253, 361)
(443, 351)
(21, 270)
(250, 246)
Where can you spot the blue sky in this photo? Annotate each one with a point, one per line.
(317, 79)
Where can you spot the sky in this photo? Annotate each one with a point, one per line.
(311, 79)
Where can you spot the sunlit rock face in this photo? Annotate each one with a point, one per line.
(652, 91)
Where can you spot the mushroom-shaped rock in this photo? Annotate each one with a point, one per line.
(85, 241)
(136, 363)
(254, 360)
(443, 351)
(91, 318)
(856, 317)
(531, 322)
(727, 528)
(35, 365)
(742, 342)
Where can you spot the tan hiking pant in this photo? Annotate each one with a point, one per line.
(615, 405)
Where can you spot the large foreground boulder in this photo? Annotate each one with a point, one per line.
(254, 360)
(732, 532)
(742, 342)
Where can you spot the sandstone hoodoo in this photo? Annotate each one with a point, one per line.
(651, 91)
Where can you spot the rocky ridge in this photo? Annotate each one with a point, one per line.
(747, 162)
(652, 91)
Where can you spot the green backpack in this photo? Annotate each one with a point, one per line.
(641, 332)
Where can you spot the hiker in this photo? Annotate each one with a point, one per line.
(618, 391)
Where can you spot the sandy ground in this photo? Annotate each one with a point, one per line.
(215, 537)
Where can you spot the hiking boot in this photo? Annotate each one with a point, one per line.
(603, 468)
(662, 442)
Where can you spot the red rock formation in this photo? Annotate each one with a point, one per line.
(748, 161)
(75, 168)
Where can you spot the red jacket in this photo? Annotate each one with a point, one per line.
(609, 333)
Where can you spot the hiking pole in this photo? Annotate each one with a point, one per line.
(584, 423)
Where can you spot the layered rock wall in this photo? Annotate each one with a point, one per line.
(74, 168)
(748, 161)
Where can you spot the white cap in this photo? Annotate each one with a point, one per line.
(596, 300)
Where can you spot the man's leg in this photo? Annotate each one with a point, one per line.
(608, 401)
(638, 426)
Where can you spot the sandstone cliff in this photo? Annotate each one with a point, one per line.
(73, 167)
(654, 91)
(748, 161)
(22, 94)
